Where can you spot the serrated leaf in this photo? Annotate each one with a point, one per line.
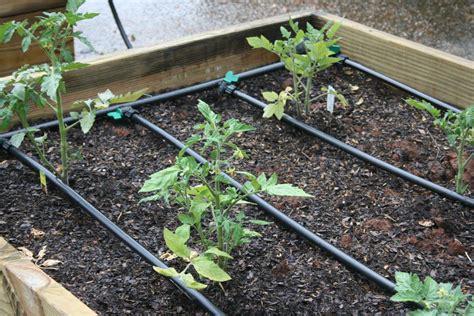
(286, 190)
(50, 85)
(183, 232)
(168, 272)
(74, 5)
(176, 244)
(87, 121)
(25, 43)
(270, 96)
(129, 96)
(209, 269)
(190, 282)
(276, 109)
(333, 29)
(218, 252)
(161, 180)
(259, 222)
(74, 66)
(17, 139)
(18, 91)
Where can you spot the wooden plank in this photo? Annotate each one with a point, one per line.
(16, 7)
(174, 64)
(11, 55)
(441, 75)
(33, 292)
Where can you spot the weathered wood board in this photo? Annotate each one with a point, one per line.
(26, 290)
(16, 7)
(441, 75)
(209, 55)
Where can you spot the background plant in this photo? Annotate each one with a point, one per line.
(213, 209)
(304, 55)
(459, 129)
(436, 298)
(44, 86)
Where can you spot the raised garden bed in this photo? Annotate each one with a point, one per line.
(381, 220)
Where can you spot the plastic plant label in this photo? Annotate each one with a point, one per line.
(330, 99)
(43, 182)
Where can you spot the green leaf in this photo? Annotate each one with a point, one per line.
(176, 244)
(286, 190)
(128, 97)
(183, 232)
(423, 105)
(74, 5)
(50, 85)
(17, 139)
(168, 272)
(186, 219)
(276, 109)
(270, 96)
(217, 252)
(259, 222)
(161, 180)
(209, 269)
(190, 282)
(18, 91)
(206, 111)
(25, 43)
(284, 32)
(87, 121)
(332, 31)
(74, 66)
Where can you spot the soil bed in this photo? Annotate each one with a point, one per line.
(379, 219)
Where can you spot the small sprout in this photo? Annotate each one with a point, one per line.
(304, 54)
(459, 130)
(436, 298)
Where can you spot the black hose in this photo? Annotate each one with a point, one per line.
(108, 224)
(299, 229)
(358, 153)
(398, 84)
(119, 25)
(159, 97)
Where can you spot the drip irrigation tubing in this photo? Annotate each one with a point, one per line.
(108, 224)
(158, 98)
(119, 25)
(398, 84)
(312, 131)
(291, 224)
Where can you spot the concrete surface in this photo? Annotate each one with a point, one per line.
(443, 24)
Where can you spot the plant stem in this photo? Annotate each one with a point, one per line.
(296, 94)
(309, 84)
(460, 160)
(31, 138)
(64, 146)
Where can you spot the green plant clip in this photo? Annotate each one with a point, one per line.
(335, 48)
(230, 77)
(116, 115)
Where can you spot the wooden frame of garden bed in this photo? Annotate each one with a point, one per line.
(209, 55)
(26, 290)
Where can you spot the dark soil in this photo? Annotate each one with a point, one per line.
(379, 219)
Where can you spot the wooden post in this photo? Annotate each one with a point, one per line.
(26, 290)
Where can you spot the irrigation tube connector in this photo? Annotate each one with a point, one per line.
(108, 224)
(312, 131)
(294, 226)
(159, 97)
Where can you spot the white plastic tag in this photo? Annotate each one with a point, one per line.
(330, 99)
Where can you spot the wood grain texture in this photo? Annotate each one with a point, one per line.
(11, 55)
(16, 7)
(175, 64)
(27, 290)
(441, 75)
